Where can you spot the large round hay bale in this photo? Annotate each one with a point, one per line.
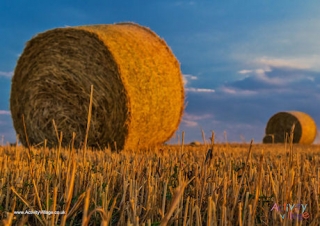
(138, 94)
(281, 123)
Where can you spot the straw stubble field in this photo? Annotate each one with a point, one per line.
(167, 185)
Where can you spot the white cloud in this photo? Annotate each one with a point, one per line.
(229, 90)
(273, 81)
(196, 117)
(310, 78)
(282, 43)
(190, 120)
(245, 72)
(278, 72)
(187, 77)
(256, 71)
(200, 90)
(265, 64)
(3, 112)
(293, 63)
(6, 74)
(189, 123)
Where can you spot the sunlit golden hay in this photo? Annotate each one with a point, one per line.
(281, 123)
(138, 95)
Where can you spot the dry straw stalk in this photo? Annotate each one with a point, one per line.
(138, 90)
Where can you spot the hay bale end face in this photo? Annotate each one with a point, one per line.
(138, 96)
(281, 123)
(267, 140)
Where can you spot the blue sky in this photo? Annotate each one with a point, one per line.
(242, 61)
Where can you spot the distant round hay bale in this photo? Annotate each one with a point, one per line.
(138, 94)
(281, 123)
(195, 143)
